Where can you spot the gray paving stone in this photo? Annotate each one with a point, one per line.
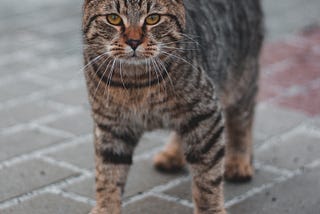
(273, 120)
(11, 67)
(77, 97)
(142, 177)
(21, 89)
(30, 175)
(85, 188)
(83, 155)
(316, 123)
(293, 152)
(288, 16)
(24, 113)
(25, 141)
(295, 196)
(48, 204)
(258, 139)
(61, 68)
(155, 205)
(80, 155)
(26, 15)
(261, 177)
(78, 124)
(152, 140)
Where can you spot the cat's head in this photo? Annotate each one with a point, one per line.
(133, 30)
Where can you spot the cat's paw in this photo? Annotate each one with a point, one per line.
(238, 170)
(168, 162)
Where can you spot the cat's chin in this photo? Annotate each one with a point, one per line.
(136, 60)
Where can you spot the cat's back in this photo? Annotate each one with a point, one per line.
(229, 32)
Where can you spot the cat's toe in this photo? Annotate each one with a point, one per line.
(167, 162)
(238, 170)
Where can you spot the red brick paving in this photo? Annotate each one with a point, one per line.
(290, 74)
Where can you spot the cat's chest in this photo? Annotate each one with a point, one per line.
(147, 108)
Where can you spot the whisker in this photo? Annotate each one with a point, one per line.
(93, 60)
(179, 49)
(102, 75)
(120, 67)
(165, 69)
(180, 58)
(190, 38)
(154, 69)
(109, 81)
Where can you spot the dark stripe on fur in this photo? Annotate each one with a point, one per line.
(213, 126)
(211, 142)
(217, 181)
(176, 21)
(148, 7)
(194, 122)
(126, 137)
(110, 157)
(118, 6)
(217, 158)
(194, 157)
(87, 27)
(203, 188)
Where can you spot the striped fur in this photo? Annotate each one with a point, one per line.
(194, 72)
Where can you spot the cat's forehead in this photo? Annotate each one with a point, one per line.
(142, 5)
(134, 1)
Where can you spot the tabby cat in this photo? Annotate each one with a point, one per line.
(190, 66)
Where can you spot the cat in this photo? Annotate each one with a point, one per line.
(190, 66)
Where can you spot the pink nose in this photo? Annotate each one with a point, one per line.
(133, 43)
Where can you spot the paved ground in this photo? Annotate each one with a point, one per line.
(46, 156)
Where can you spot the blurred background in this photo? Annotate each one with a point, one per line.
(46, 154)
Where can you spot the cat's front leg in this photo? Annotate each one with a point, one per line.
(202, 131)
(114, 146)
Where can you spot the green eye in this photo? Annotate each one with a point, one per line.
(153, 19)
(114, 19)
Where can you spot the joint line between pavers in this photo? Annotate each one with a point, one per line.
(281, 137)
(270, 69)
(173, 199)
(58, 147)
(65, 165)
(135, 198)
(73, 196)
(53, 131)
(40, 94)
(148, 154)
(257, 190)
(248, 194)
(273, 169)
(156, 189)
(44, 151)
(54, 117)
(294, 90)
(27, 196)
(62, 106)
(311, 130)
(42, 120)
(40, 79)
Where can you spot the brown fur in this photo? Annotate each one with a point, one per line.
(142, 77)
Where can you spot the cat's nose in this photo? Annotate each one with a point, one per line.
(133, 43)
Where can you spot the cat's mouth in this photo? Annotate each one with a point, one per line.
(137, 55)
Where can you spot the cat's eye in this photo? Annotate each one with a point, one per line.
(153, 19)
(114, 19)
